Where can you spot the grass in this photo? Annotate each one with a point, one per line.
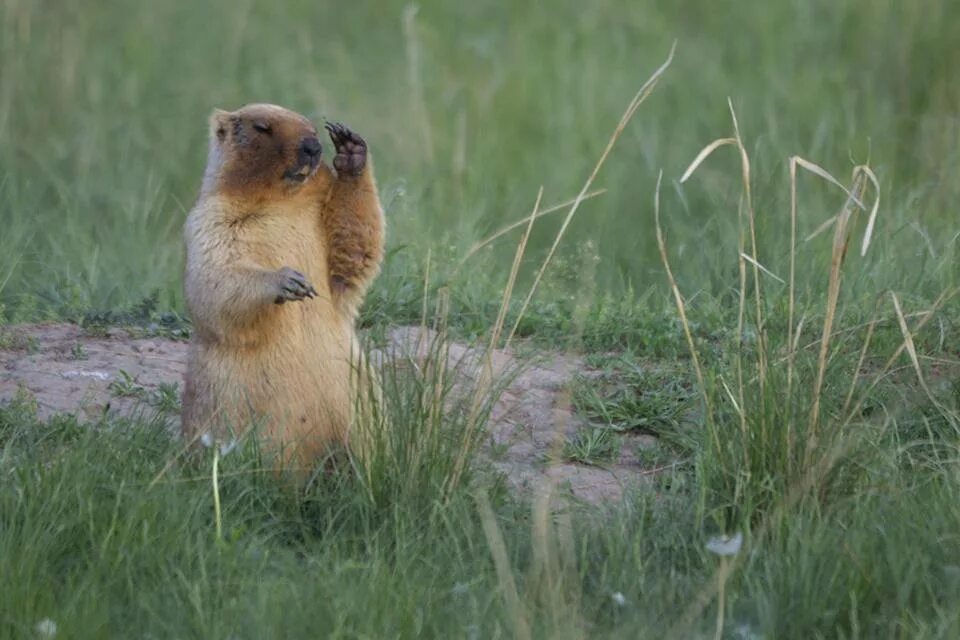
(630, 396)
(806, 390)
(591, 445)
(124, 386)
(106, 154)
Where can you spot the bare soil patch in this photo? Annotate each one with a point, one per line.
(68, 370)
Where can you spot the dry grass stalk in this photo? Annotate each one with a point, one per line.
(872, 219)
(546, 565)
(514, 271)
(841, 238)
(792, 290)
(485, 379)
(704, 154)
(762, 268)
(439, 363)
(743, 258)
(510, 227)
(794, 337)
(912, 352)
(426, 297)
(863, 355)
(758, 293)
(635, 103)
(741, 320)
(942, 299)
(682, 311)
(215, 483)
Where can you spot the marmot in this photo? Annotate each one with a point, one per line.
(280, 251)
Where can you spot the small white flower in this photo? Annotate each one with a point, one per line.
(207, 440)
(725, 545)
(227, 447)
(46, 628)
(744, 632)
(618, 598)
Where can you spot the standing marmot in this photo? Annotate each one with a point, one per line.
(280, 251)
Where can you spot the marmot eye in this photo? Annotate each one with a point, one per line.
(262, 127)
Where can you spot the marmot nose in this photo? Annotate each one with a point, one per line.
(310, 147)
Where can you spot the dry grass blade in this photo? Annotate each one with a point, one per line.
(436, 361)
(791, 295)
(704, 154)
(872, 220)
(681, 309)
(514, 271)
(762, 268)
(912, 350)
(863, 355)
(798, 332)
(823, 227)
(426, 297)
(635, 103)
(485, 379)
(747, 199)
(741, 313)
(733, 400)
(838, 253)
(501, 562)
(510, 227)
(941, 300)
(215, 483)
(823, 173)
(701, 157)
(840, 332)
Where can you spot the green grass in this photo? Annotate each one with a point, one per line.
(104, 109)
(591, 445)
(628, 395)
(838, 466)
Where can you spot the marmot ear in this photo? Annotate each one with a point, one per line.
(219, 120)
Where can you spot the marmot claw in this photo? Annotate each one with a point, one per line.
(293, 286)
(351, 149)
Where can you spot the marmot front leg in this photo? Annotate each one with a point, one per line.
(227, 298)
(353, 220)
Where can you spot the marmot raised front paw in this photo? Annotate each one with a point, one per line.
(292, 285)
(351, 149)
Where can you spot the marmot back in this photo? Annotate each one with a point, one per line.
(280, 251)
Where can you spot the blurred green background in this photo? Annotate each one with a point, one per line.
(469, 108)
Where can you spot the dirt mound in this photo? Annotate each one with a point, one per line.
(69, 370)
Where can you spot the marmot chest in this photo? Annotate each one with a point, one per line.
(292, 240)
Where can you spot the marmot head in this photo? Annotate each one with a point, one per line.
(260, 150)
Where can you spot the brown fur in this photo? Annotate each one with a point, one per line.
(289, 367)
